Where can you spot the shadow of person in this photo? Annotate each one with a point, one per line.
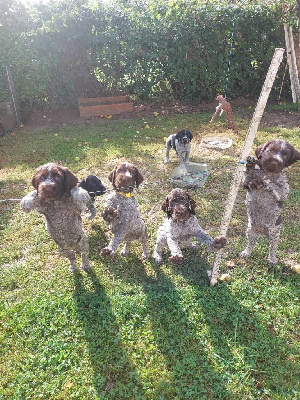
(113, 373)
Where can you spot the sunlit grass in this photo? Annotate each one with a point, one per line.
(129, 329)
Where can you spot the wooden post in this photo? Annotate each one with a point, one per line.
(239, 172)
(13, 94)
(291, 58)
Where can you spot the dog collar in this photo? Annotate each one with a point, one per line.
(125, 194)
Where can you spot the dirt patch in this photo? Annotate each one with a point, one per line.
(69, 116)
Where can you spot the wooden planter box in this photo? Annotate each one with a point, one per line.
(96, 106)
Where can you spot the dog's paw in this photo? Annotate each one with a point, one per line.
(124, 252)
(146, 256)
(157, 258)
(109, 214)
(176, 259)
(256, 184)
(73, 268)
(219, 242)
(106, 252)
(245, 254)
(85, 266)
(272, 260)
(250, 163)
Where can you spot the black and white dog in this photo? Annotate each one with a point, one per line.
(93, 185)
(181, 143)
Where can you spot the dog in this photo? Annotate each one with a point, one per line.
(181, 143)
(93, 185)
(61, 201)
(121, 211)
(225, 106)
(267, 189)
(181, 227)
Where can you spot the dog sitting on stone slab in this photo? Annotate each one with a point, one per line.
(181, 143)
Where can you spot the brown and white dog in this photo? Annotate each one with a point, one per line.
(181, 227)
(58, 198)
(121, 211)
(267, 188)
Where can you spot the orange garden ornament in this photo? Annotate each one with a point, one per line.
(225, 106)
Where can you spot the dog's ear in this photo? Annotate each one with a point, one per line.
(112, 176)
(179, 134)
(138, 177)
(36, 177)
(83, 184)
(70, 179)
(260, 149)
(165, 206)
(190, 136)
(295, 156)
(192, 205)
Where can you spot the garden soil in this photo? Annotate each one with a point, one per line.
(245, 108)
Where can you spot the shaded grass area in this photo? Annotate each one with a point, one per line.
(129, 329)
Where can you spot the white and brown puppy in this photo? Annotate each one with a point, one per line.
(121, 211)
(61, 201)
(181, 227)
(267, 188)
(181, 143)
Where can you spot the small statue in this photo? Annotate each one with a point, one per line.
(226, 107)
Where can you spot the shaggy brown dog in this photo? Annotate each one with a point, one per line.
(58, 198)
(121, 211)
(180, 227)
(267, 188)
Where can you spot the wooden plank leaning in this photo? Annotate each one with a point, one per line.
(238, 174)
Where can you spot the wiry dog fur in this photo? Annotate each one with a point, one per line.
(58, 198)
(181, 143)
(93, 185)
(181, 227)
(267, 188)
(121, 211)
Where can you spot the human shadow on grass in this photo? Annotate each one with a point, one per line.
(241, 335)
(114, 376)
(189, 371)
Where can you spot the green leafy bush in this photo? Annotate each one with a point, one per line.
(160, 50)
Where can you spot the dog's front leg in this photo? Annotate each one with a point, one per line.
(203, 237)
(176, 257)
(145, 244)
(167, 158)
(180, 156)
(30, 201)
(120, 233)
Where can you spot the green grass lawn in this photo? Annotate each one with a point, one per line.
(129, 329)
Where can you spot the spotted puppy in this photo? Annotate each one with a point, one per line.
(181, 227)
(267, 189)
(181, 143)
(61, 201)
(121, 211)
(93, 185)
